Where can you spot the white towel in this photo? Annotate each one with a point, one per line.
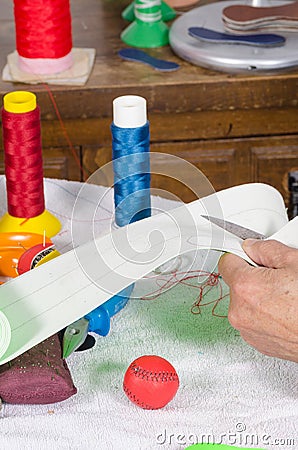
(228, 391)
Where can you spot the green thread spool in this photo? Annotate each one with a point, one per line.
(167, 12)
(148, 29)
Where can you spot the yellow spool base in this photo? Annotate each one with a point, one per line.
(45, 223)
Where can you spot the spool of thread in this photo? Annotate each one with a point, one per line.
(24, 168)
(148, 30)
(167, 12)
(131, 164)
(43, 35)
(131, 159)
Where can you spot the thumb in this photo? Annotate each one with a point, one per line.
(268, 253)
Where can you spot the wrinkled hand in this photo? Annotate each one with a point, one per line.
(264, 300)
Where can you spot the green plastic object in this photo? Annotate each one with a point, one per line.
(216, 447)
(148, 29)
(167, 13)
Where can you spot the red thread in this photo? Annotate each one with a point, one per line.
(64, 130)
(43, 28)
(211, 279)
(23, 163)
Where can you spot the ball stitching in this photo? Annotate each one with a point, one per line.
(148, 375)
(135, 399)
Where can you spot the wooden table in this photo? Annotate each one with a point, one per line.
(235, 128)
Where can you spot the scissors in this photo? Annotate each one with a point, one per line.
(237, 230)
(97, 321)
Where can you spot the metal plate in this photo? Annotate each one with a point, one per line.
(230, 57)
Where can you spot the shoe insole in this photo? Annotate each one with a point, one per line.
(260, 40)
(133, 54)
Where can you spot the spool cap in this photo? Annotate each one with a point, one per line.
(129, 111)
(19, 102)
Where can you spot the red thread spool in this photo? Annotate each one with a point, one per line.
(23, 163)
(23, 167)
(43, 32)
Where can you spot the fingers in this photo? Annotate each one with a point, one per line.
(268, 253)
(229, 266)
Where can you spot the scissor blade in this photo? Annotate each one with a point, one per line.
(237, 230)
(74, 336)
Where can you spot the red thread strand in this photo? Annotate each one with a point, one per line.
(23, 163)
(211, 279)
(43, 28)
(66, 135)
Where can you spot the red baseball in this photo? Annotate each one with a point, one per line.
(150, 382)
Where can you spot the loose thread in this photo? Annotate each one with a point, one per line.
(213, 279)
(64, 131)
(24, 221)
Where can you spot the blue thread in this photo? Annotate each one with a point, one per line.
(131, 164)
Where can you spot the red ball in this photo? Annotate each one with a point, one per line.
(150, 382)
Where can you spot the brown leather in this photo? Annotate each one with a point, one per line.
(247, 14)
(275, 26)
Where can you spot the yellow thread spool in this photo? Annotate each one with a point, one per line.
(20, 102)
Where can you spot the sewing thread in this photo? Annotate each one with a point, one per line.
(131, 165)
(148, 10)
(205, 281)
(43, 35)
(23, 162)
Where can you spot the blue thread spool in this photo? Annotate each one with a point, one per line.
(131, 159)
(131, 164)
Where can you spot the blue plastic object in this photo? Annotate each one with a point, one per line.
(258, 40)
(132, 54)
(100, 318)
(97, 321)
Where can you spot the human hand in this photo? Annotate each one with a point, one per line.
(264, 300)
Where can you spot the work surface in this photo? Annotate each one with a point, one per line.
(228, 392)
(98, 24)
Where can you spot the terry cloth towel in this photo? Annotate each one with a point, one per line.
(228, 391)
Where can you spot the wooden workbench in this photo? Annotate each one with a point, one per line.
(235, 128)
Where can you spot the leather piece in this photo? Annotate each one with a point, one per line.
(247, 14)
(38, 376)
